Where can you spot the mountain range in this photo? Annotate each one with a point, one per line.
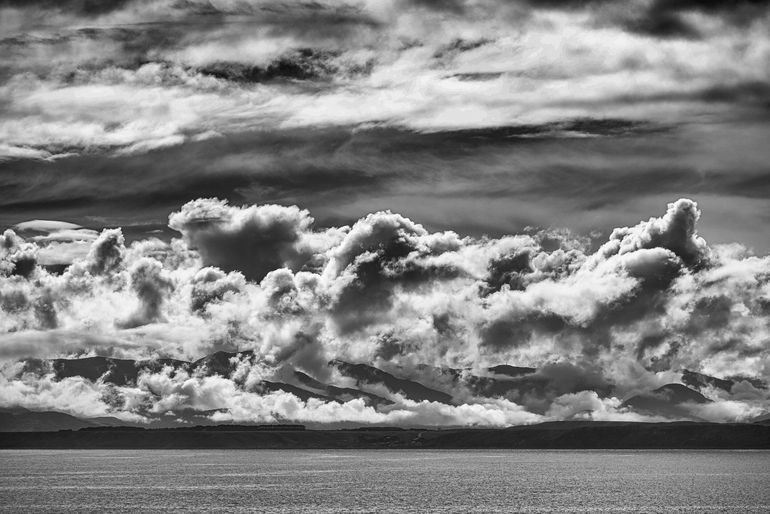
(375, 386)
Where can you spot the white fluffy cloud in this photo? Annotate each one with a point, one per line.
(626, 318)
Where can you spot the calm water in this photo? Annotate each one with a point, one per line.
(384, 481)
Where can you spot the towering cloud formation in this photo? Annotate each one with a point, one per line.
(381, 253)
(253, 240)
(432, 311)
(674, 232)
(151, 288)
(16, 256)
(106, 254)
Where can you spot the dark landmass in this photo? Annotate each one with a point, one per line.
(511, 371)
(19, 419)
(668, 401)
(364, 373)
(555, 435)
(699, 381)
(340, 394)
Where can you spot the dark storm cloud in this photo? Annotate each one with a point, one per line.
(454, 6)
(757, 93)
(509, 270)
(508, 331)
(334, 172)
(329, 159)
(84, 7)
(752, 94)
(565, 4)
(132, 34)
(304, 64)
(664, 18)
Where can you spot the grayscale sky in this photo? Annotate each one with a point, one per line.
(582, 187)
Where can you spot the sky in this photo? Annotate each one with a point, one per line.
(457, 183)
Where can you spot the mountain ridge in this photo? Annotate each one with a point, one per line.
(554, 435)
(671, 401)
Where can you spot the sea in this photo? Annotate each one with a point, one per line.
(325, 481)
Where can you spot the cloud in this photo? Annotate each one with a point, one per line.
(16, 256)
(73, 395)
(728, 411)
(212, 284)
(139, 77)
(471, 119)
(381, 253)
(587, 405)
(48, 342)
(673, 19)
(494, 121)
(674, 232)
(151, 288)
(87, 7)
(599, 322)
(106, 253)
(253, 240)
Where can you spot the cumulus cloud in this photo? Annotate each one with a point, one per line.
(383, 252)
(253, 240)
(16, 256)
(151, 288)
(106, 254)
(212, 284)
(433, 309)
(74, 395)
(586, 405)
(674, 232)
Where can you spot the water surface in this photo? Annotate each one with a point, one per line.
(384, 481)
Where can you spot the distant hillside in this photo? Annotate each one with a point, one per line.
(699, 381)
(18, 419)
(365, 374)
(557, 435)
(668, 401)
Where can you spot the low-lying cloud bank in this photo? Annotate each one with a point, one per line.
(599, 324)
